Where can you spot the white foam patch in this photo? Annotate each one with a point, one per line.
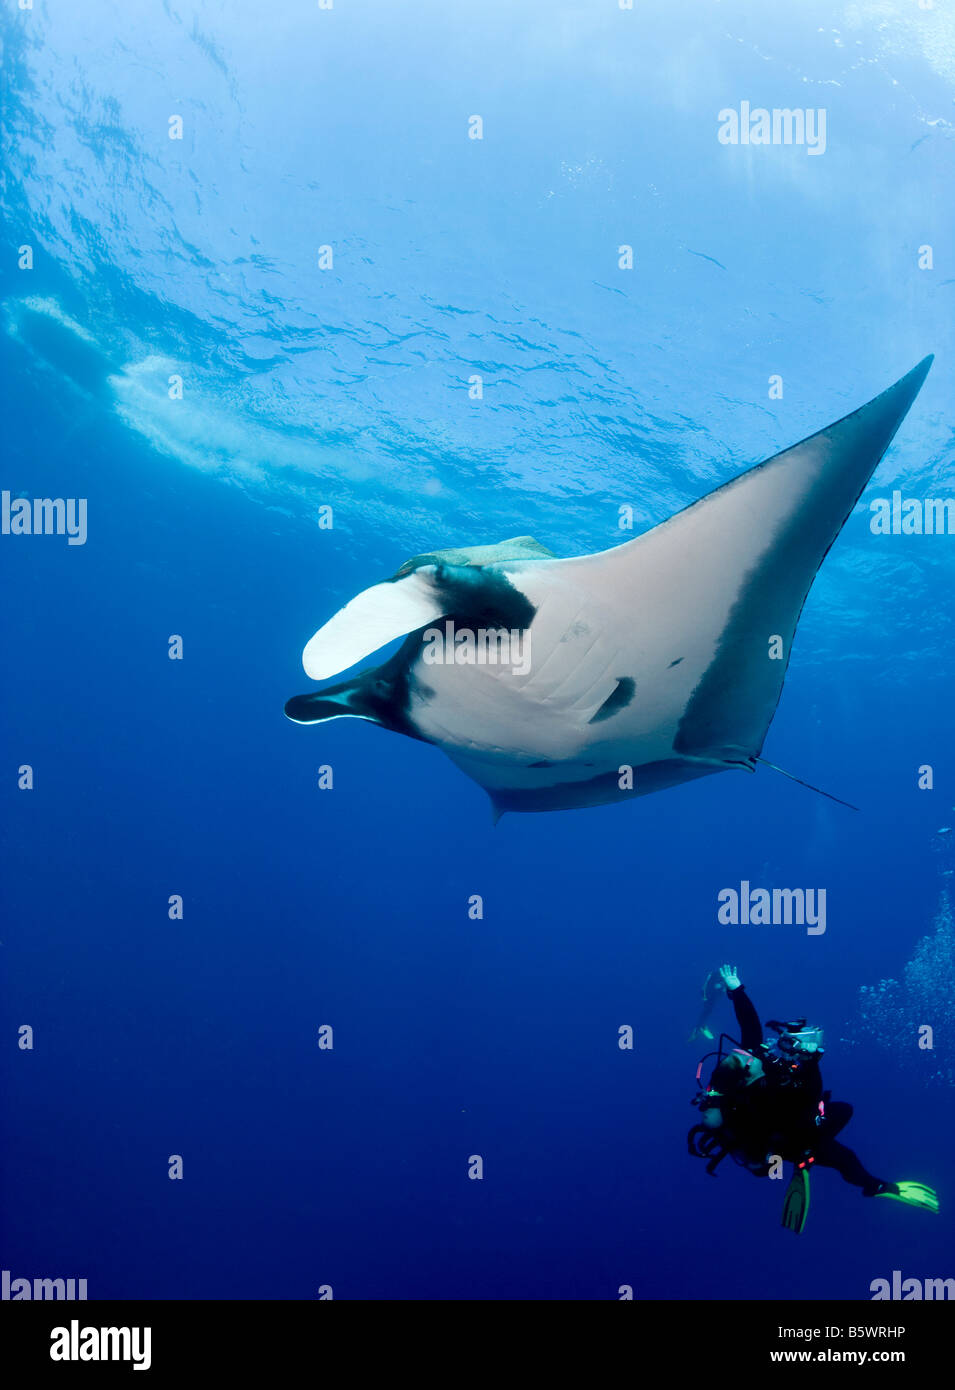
(199, 433)
(52, 310)
(909, 30)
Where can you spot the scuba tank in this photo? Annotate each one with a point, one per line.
(704, 1141)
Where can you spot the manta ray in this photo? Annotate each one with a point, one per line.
(565, 683)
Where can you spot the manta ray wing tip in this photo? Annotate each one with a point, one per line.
(909, 385)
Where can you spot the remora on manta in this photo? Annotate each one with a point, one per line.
(625, 672)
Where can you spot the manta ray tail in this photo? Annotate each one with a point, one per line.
(793, 778)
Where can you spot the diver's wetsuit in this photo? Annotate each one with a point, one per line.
(775, 1116)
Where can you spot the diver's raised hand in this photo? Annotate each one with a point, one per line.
(729, 976)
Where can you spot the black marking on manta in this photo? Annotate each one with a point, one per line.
(617, 700)
(551, 726)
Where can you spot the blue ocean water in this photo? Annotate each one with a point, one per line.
(199, 258)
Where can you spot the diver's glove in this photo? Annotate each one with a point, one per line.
(913, 1194)
(730, 977)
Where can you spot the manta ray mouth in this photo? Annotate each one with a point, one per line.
(312, 709)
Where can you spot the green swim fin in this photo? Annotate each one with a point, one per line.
(913, 1194)
(796, 1202)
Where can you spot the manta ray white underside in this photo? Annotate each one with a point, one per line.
(629, 670)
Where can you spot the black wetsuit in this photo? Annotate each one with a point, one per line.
(779, 1114)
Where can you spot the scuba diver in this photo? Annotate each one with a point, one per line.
(765, 1103)
(713, 987)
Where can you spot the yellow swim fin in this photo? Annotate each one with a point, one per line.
(913, 1194)
(796, 1202)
